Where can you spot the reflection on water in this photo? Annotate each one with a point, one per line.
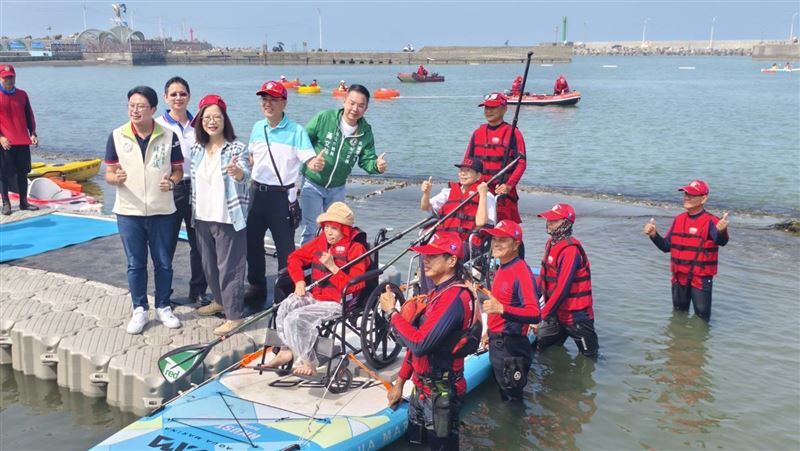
(34, 407)
(684, 389)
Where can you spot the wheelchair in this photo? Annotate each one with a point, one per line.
(361, 316)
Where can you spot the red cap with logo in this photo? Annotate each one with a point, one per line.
(695, 188)
(272, 88)
(7, 70)
(559, 211)
(494, 99)
(441, 243)
(505, 228)
(211, 99)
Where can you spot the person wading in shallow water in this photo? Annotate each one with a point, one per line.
(566, 282)
(693, 242)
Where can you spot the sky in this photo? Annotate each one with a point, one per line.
(390, 25)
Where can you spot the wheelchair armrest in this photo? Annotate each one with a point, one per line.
(373, 274)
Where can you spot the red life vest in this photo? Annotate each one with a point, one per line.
(690, 248)
(580, 293)
(326, 289)
(463, 222)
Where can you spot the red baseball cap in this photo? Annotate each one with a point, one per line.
(211, 99)
(272, 88)
(559, 211)
(494, 99)
(441, 243)
(7, 70)
(505, 228)
(695, 188)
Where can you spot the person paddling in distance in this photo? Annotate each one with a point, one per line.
(430, 332)
(693, 241)
(341, 138)
(220, 172)
(299, 315)
(512, 308)
(144, 204)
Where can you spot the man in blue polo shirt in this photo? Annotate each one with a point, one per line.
(279, 147)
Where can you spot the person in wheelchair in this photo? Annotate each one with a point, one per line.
(433, 332)
(512, 308)
(299, 314)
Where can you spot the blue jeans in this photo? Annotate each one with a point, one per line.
(138, 233)
(314, 200)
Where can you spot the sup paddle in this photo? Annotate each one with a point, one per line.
(516, 113)
(178, 363)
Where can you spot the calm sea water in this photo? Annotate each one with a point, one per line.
(664, 380)
(641, 130)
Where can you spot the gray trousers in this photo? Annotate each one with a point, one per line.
(223, 252)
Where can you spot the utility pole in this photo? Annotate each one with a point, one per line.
(584, 31)
(711, 40)
(791, 28)
(84, 16)
(644, 30)
(319, 13)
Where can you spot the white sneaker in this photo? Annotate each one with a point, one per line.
(137, 322)
(167, 318)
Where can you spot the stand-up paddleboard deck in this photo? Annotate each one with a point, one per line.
(247, 410)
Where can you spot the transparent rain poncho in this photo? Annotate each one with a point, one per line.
(297, 320)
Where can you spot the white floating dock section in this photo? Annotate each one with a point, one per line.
(71, 330)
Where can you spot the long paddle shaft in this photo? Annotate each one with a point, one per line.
(516, 112)
(444, 218)
(176, 364)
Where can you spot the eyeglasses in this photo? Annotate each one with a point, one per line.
(216, 119)
(179, 94)
(138, 107)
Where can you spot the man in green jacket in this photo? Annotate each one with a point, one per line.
(341, 138)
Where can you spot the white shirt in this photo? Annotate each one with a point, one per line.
(347, 129)
(185, 134)
(439, 200)
(210, 191)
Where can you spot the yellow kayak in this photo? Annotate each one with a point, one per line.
(76, 171)
(308, 89)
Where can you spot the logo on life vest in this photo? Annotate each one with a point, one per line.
(693, 230)
(495, 140)
(550, 259)
(340, 249)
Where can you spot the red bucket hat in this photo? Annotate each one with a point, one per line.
(211, 99)
(559, 211)
(441, 243)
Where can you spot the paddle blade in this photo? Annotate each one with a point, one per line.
(178, 363)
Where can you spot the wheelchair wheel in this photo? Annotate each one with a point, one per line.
(341, 381)
(378, 344)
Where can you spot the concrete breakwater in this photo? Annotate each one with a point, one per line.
(426, 55)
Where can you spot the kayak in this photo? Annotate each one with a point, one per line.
(782, 69)
(413, 77)
(384, 93)
(308, 89)
(570, 98)
(44, 192)
(338, 93)
(76, 171)
(245, 410)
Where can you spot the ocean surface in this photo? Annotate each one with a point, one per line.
(664, 380)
